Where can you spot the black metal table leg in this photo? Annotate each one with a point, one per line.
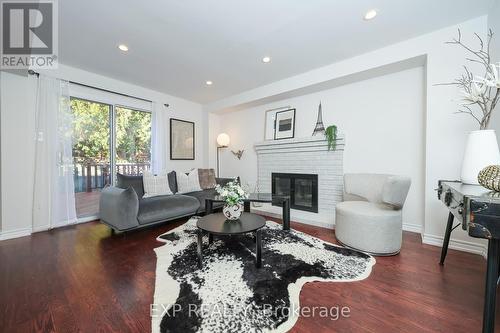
(258, 249)
(491, 286)
(200, 244)
(446, 241)
(286, 214)
(246, 206)
(209, 206)
(210, 238)
(498, 282)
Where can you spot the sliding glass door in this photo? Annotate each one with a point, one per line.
(133, 141)
(91, 153)
(106, 138)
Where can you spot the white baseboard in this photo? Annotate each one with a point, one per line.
(9, 234)
(412, 227)
(86, 219)
(4, 235)
(317, 220)
(459, 245)
(276, 213)
(320, 224)
(78, 221)
(40, 228)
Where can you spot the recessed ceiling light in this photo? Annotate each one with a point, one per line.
(123, 47)
(209, 83)
(266, 59)
(370, 14)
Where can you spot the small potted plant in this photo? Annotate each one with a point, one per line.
(233, 195)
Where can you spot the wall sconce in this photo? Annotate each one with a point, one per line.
(238, 153)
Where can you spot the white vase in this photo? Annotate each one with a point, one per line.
(481, 150)
(232, 212)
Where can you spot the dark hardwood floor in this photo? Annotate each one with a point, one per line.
(82, 278)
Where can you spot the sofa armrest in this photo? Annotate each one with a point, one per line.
(223, 181)
(119, 207)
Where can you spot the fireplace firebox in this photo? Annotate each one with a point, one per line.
(301, 188)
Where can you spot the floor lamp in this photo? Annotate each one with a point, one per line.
(222, 142)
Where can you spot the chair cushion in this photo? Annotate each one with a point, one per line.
(380, 188)
(163, 208)
(369, 227)
(395, 191)
(368, 209)
(367, 186)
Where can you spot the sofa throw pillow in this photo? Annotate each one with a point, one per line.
(207, 178)
(126, 181)
(155, 185)
(172, 181)
(188, 182)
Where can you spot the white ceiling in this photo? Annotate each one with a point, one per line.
(176, 45)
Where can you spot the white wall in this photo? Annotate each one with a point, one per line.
(214, 129)
(382, 119)
(17, 153)
(445, 132)
(494, 25)
(17, 128)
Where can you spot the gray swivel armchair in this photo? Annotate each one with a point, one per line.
(370, 217)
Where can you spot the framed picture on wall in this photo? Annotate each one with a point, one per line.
(284, 125)
(181, 139)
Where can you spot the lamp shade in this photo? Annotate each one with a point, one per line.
(223, 140)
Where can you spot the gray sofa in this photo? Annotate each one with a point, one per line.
(123, 208)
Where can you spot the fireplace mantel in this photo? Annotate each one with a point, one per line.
(314, 143)
(309, 156)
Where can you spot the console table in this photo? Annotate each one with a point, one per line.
(478, 211)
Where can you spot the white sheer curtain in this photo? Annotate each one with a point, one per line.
(159, 138)
(53, 192)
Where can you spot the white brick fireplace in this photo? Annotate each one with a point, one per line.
(304, 156)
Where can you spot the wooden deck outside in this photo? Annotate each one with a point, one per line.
(92, 177)
(87, 203)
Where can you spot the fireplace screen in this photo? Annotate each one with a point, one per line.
(301, 188)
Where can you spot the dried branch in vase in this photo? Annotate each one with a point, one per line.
(480, 93)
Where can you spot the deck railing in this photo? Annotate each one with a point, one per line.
(91, 176)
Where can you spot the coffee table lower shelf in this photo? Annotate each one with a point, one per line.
(216, 224)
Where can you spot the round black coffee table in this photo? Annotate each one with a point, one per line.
(217, 224)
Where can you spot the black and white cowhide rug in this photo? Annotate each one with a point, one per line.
(229, 294)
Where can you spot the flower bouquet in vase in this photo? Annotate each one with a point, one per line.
(233, 195)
